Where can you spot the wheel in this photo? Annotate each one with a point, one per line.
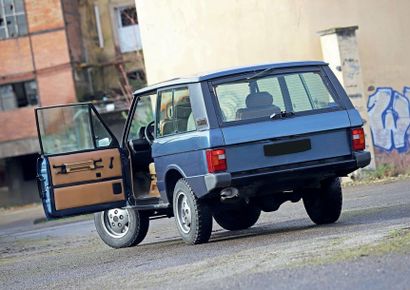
(237, 219)
(192, 216)
(121, 228)
(325, 206)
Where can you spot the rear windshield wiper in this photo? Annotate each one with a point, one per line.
(281, 115)
(261, 73)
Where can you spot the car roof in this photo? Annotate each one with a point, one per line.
(226, 72)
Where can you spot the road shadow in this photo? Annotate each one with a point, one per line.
(357, 217)
(295, 227)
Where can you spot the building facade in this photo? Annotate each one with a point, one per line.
(366, 43)
(59, 52)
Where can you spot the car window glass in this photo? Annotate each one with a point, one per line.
(143, 115)
(298, 95)
(305, 91)
(308, 92)
(318, 91)
(271, 85)
(165, 124)
(102, 137)
(232, 97)
(184, 119)
(65, 129)
(175, 112)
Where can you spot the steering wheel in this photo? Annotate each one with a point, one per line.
(149, 132)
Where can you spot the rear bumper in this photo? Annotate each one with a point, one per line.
(363, 158)
(217, 180)
(290, 174)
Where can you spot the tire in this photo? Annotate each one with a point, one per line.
(129, 229)
(325, 206)
(193, 217)
(237, 219)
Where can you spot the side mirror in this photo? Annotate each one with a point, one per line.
(104, 142)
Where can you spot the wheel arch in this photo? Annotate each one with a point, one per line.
(172, 175)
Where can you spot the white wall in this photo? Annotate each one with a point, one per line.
(182, 37)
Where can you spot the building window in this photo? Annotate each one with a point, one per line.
(128, 29)
(12, 19)
(128, 16)
(18, 95)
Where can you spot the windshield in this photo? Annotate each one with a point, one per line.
(267, 96)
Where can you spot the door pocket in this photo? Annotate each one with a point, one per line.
(289, 147)
(117, 188)
(87, 195)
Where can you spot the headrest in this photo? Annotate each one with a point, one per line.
(260, 99)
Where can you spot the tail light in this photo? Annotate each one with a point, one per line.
(216, 159)
(358, 141)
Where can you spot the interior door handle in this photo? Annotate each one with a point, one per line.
(79, 166)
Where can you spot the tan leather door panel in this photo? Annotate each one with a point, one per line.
(87, 179)
(86, 166)
(87, 194)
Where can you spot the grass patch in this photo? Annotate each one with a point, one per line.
(384, 173)
(398, 241)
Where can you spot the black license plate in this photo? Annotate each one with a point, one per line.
(287, 147)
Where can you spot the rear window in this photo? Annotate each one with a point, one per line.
(264, 96)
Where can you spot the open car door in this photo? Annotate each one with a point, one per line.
(82, 168)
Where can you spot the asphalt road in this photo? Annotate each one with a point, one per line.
(369, 248)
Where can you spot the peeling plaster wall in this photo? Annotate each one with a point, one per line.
(100, 60)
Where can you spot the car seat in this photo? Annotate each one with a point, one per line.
(182, 113)
(167, 124)
(257, 105)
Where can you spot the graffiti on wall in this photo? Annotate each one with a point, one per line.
(389, 114)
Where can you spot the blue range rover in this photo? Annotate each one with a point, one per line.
(224, 145)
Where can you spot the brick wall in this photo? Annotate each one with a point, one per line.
(44, 15)
(15, 57)
(56, 87)
(17, 124)
(42, 55)
(50, 50)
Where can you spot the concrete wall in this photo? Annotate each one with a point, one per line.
(182, 37)
(101, 61)
(19, 189)
(340, 50)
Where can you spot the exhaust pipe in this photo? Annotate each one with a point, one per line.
(229, 194)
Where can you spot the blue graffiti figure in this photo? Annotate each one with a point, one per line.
(389, 114)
